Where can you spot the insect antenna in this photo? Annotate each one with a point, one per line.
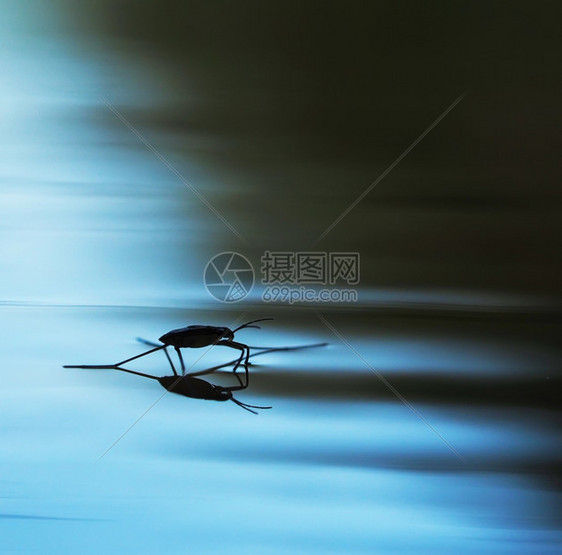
(246, 405)
(248, 324)
(256, 406)
(242, 405)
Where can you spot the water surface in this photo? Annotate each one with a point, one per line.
(431, 427)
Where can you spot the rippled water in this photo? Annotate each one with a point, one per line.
(430, 422)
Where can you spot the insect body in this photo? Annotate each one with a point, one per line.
(194, 337)
(197, 336)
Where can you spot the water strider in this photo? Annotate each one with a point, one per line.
(197, 336)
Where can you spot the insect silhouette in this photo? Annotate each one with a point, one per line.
(193, 337)
(189, 385)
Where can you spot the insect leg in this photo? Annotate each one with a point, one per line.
(181, 360)
(245, 351)
(135, 373)
(170, 361)
(147, 342)
(240, 347)
(141, 355)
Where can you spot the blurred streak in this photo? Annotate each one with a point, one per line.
(389, 386)
(172, 169)
(37, 517)
(437, 389)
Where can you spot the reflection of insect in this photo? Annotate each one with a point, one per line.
(201, 389)
(196, 388)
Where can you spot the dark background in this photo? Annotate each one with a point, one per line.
(303, 105)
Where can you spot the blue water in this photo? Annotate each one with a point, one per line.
(431, 428)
